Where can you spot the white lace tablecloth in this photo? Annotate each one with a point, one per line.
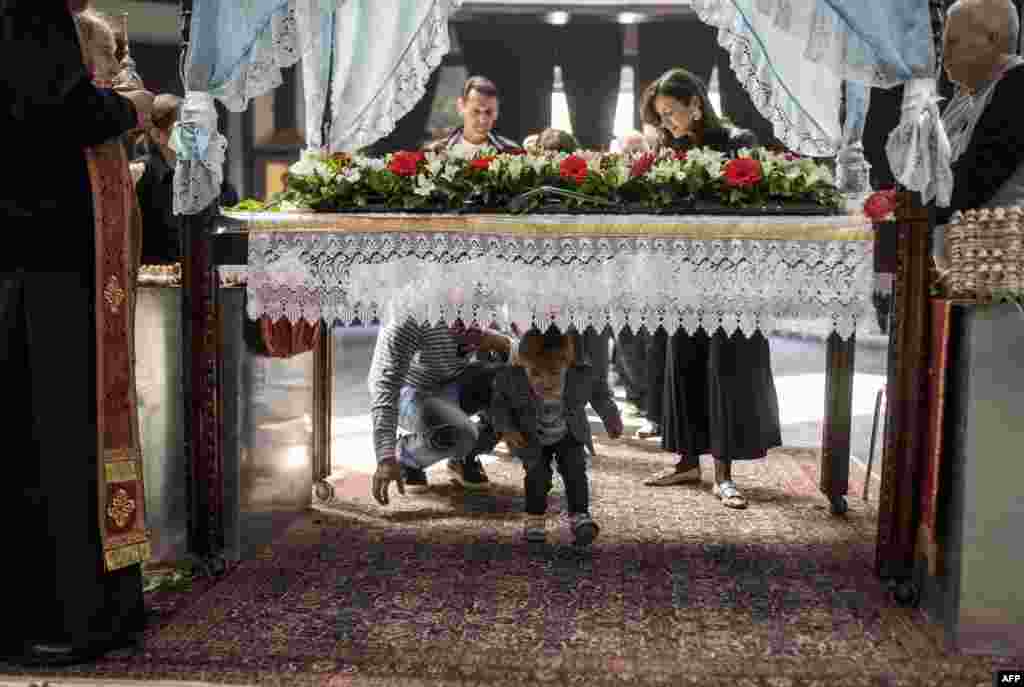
(736, 272)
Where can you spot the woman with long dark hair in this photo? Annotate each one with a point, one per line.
(717, 391)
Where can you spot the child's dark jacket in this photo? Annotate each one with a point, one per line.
(513, 409)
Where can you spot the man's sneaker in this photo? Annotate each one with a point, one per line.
(415, 479)
(584, 529)
(674, 476)
(648, 430)
(535, 529)
(469, 473)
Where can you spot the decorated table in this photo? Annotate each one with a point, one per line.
(740, 272)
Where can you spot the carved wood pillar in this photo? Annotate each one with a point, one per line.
(201, 363)
(907, 393)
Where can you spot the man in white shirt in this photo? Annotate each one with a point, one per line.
(478, 106)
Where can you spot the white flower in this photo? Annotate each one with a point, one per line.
(352, 175)
(321, 168)
(539, 164)
(450, 170)
(371, 163)
(709, 160)
(434, 164)
(424, 186)
(594, 164)
(464, 151)
(289, 206)
(307, 163)
(515, 166)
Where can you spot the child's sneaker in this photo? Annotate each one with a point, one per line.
(536, 528)
(584, 529)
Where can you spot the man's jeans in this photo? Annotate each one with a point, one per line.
(439, 422)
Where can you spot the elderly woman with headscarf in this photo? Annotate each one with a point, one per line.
(981, 55)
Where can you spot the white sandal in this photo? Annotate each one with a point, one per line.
(729, 494)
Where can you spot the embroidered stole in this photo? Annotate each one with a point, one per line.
(122, 501)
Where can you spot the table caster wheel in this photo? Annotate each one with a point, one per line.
(323, 491)
(839, 505)
(906, 594)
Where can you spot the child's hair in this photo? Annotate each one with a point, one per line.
(557, 140)
(552, 346)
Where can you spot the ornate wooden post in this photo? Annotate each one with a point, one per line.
(907, 393)
(201, 361)
(202, 373)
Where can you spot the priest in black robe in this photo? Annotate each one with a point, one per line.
(50, 111)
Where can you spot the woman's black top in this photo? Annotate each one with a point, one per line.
(724, 140)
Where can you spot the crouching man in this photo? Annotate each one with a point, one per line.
(424, 380)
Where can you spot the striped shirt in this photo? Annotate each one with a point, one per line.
(408, 354)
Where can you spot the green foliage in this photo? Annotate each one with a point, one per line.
(487, 180)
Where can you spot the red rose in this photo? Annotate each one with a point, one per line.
(481, 163)
(641, 165)
(880, 205)
(516, 151)
(742, 171)
(790, 157)
(680, 155)
(574, 168)
(404, 163)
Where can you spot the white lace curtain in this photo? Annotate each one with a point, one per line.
(793, 55)
(366, 62)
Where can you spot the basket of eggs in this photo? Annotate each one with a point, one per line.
(986, 254)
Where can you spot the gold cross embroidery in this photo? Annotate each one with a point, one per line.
(113, 294)
(121, 508)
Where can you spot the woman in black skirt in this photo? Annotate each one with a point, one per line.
(719, 395)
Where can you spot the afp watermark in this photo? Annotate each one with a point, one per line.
(1011, 678)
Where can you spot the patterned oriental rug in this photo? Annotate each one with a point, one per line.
(438, 590)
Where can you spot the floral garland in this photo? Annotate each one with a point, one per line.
(488, 180)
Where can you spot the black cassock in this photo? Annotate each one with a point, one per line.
(50, 112)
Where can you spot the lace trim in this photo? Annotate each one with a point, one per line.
(792, 126)
(404, 88)
(918, 150)
(199, 171)
(279, 46)
(824, 41)
(740, 285)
